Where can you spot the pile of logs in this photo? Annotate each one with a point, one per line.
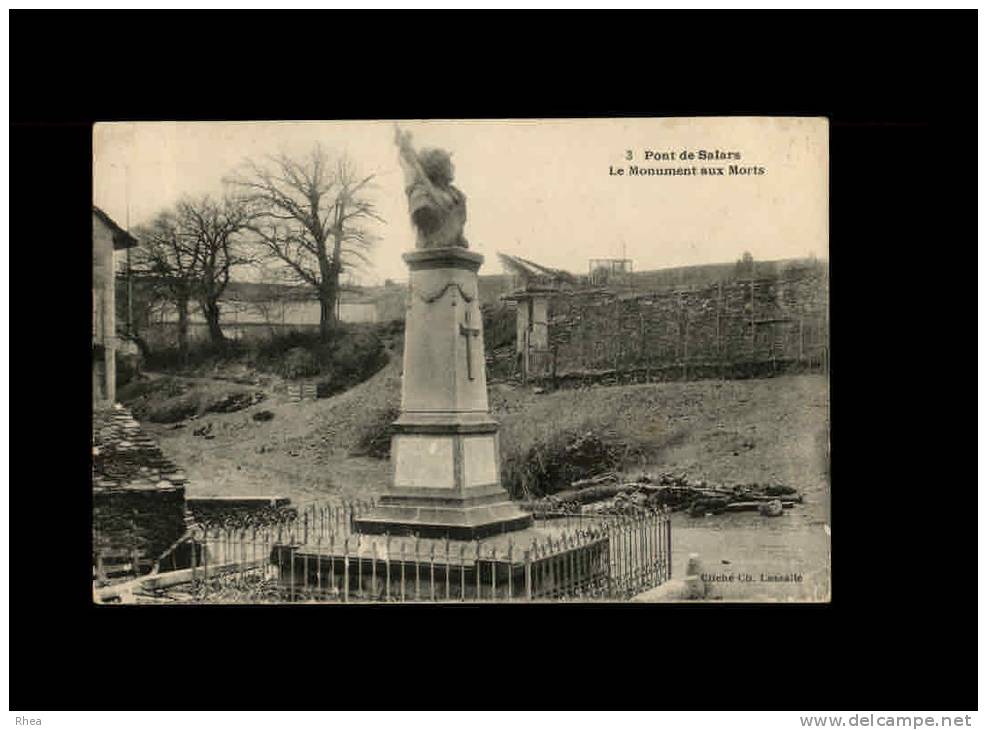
(609, 493)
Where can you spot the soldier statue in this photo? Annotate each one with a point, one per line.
(438, 208)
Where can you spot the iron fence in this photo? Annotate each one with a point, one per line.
(315, 555)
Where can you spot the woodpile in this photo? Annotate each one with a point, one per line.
(608, 493)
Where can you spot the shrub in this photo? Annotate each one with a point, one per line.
(499, 326)
(176, 409)
(201, 355)
(553, 463)
(126, 369)
(353, 357)
(299, 363)
(375, 439)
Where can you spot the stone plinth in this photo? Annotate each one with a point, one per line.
(445, 452)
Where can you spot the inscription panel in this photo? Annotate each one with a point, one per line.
(480, 461)
(423, 461)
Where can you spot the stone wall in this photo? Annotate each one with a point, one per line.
(133, 527)
(138, 497)
(730, 324)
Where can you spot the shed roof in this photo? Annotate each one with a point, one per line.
(121, 239)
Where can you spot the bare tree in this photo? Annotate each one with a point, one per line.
(215, 227)
(312, 215)
(173, 260)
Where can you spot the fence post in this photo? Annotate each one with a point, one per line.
(685, 349)
(527, 574)
(479, 591)
(510, 569)
(243, 556)
(359, 566)
(448, 567)
(666, 523)
(318, 565)
(417, 572)
(205, 556)
(291, 557)
(346, 570)
(753, 322)
(375, 594)
(462, 571)
(493, 574)
(191, 542)
(402, 572)
(387, 565)
(431, 572)
(332, 561)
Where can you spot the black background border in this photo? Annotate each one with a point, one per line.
(900, 91)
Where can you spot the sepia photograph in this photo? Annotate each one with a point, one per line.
(461, 361)
(474, 368)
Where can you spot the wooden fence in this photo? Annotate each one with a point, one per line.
(743, 329)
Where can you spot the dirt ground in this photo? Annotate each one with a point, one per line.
(770, 430)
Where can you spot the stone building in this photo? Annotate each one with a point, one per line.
(108, 238)
(533, 286)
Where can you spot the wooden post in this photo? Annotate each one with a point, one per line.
(719, 310)
(99, 559)
(753, 323)
(685, 355)
(524, 358)
(801, 338)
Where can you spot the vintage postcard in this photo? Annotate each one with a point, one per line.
(459, 361)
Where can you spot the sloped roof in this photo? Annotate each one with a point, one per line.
(524, 268)
(125, 457)
(121, 239)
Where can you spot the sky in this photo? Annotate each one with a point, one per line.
(541, 189)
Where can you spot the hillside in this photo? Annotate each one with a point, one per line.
(753, 430)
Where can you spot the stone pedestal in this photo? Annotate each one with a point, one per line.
(445, 452)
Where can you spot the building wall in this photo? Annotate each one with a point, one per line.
(104, 312)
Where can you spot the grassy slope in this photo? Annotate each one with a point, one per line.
(737, 431)
(757, 430)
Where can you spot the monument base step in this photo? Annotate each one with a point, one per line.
(430, 520)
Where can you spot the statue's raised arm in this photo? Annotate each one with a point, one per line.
(413, 173)
(438, 209)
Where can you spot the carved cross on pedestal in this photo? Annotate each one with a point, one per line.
(466, 331)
